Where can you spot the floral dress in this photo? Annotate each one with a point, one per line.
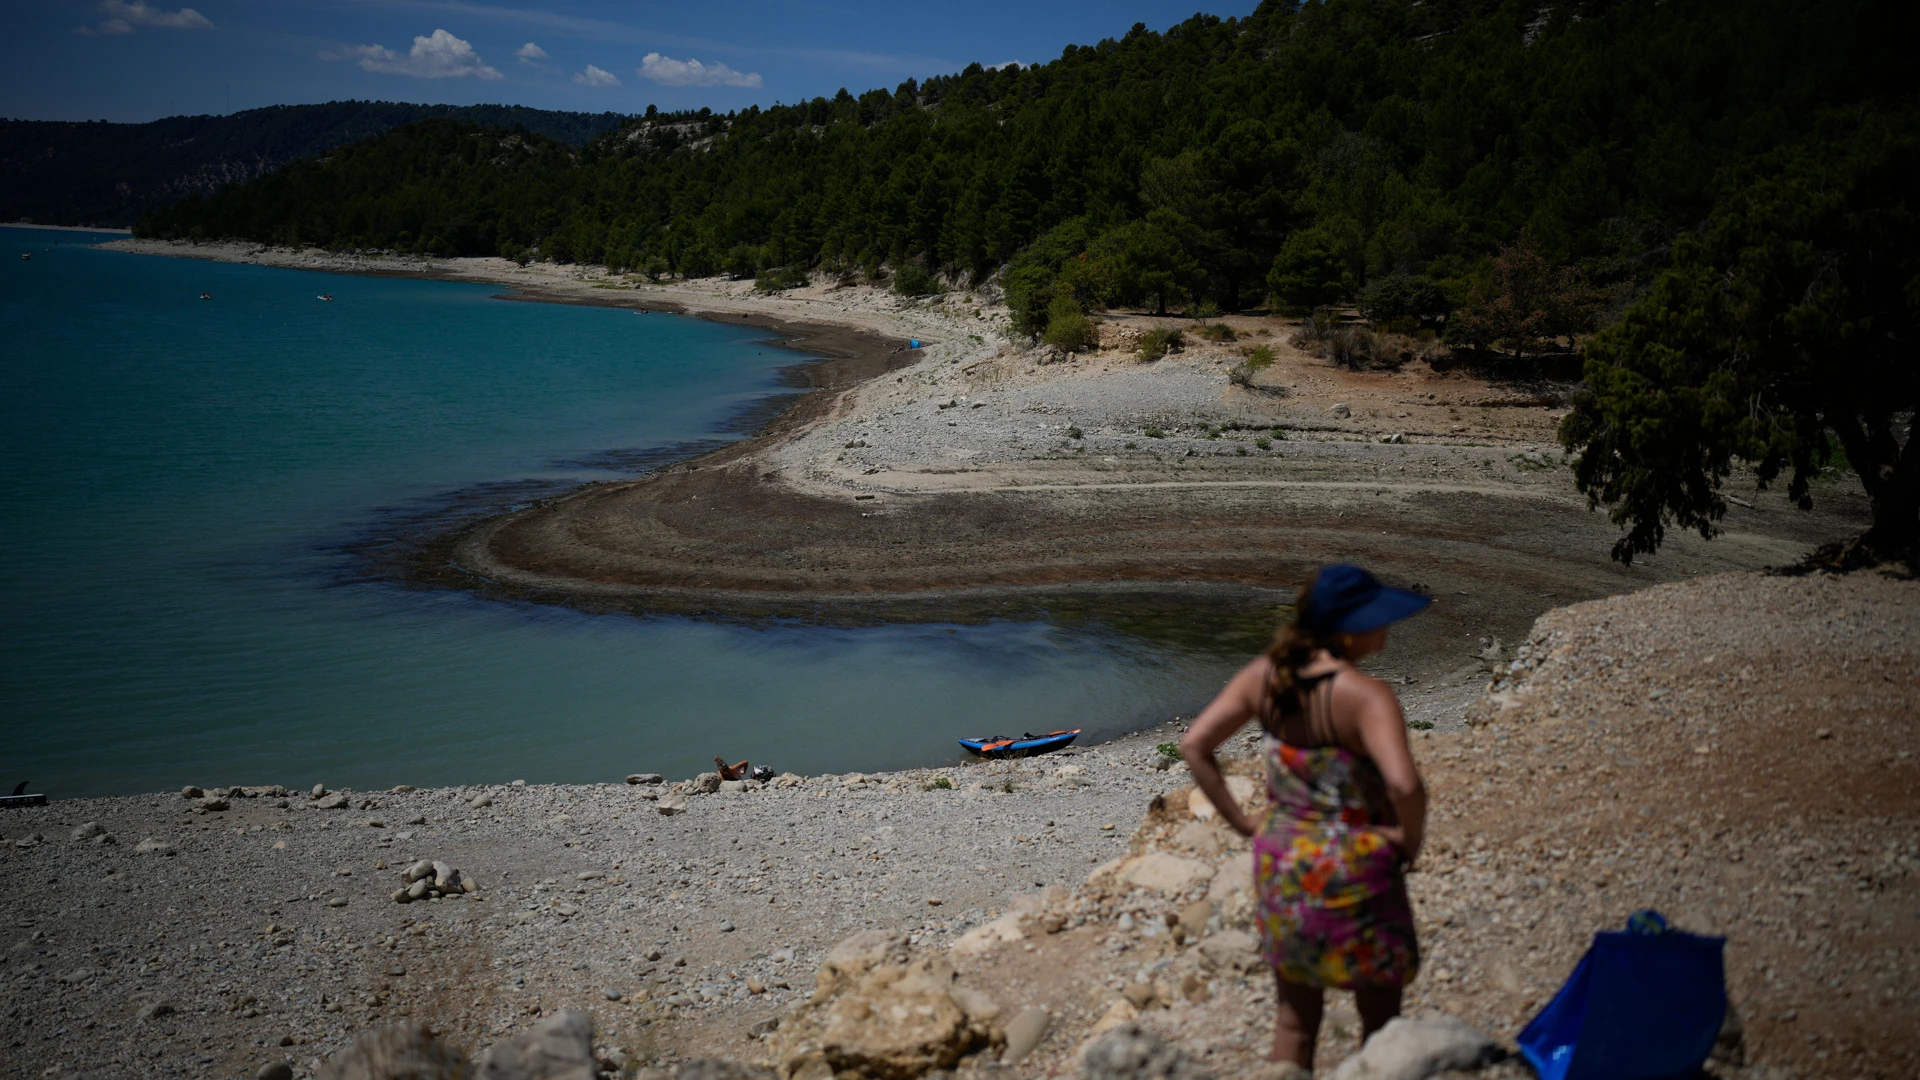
(1333, 898)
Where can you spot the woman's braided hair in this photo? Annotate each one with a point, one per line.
(1294, 644)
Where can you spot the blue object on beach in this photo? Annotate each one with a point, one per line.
(1000, 746)
(913, 343)
(1643, 1004)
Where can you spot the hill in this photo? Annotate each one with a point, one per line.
(59, 173)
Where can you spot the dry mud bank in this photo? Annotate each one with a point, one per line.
(1735, 751)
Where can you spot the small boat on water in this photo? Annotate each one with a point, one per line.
(206, 296)
(1002, 746)
(324, 296)
(26, 256)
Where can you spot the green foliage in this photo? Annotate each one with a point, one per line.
(1789, 321)
(1305, 151)
(1068, 327)
(914, 280)
(1310, 271)
(938, 783)
(1259, 358)
(776, 280)
(1155, 344)
(1400, 298)
(1525, 301)
(1154, 433)
(1076, 433)
(1217, 332)
(1169, 750)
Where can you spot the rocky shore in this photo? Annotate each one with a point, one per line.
(1750, 776)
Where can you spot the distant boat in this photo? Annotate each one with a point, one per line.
(324, 296)
(26, 256)
(206, 296)
(1000, 746)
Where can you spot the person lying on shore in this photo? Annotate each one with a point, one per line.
(731, 772)
(1348, 809)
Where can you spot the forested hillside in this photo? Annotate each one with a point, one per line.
(59, 173)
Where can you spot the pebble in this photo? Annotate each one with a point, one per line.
(480, 801)
(645, 778)
(338, 901)
(274, 1070)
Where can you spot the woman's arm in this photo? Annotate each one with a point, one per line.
(1228, 713)
(1382, 730)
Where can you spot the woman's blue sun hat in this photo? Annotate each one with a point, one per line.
(1348, 600)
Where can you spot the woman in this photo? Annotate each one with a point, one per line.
(1348, 809)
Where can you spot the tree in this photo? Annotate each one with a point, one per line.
(1144, 260)
(1310, 271)
(1786, 326)
(1526, 299)
(1404, 296)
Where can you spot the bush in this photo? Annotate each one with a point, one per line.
(1075, 433)
(1309, 272)
(1404, 297)
(785, 277)
(1217, 332)
(1154, 433)
(1155, 344)
(914, 280)
(1068, 327)
(1169, 750)
(939, 783)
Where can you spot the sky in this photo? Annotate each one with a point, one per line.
(138, 60)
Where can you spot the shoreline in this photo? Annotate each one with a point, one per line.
(208, 935)
(978, 479)
(66, 228)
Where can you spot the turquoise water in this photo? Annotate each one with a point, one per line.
(183, 478)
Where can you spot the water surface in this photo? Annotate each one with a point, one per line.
(186, 481)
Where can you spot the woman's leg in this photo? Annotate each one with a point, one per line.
(1377, 1006)
(1296, 1023)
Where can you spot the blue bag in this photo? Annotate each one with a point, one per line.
(1644, 1004)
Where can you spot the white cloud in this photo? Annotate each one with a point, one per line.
(530, 53)
(441, 56)
(670, 72)
(128, 15)
(593, 76)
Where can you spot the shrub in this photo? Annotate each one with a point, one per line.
(914, 280)
(1169, 750)
(785, 277)
(939, 783)
(1263, 442)
(1396, 298)
(1155, 344)
(1075, 433)
(1154, 433)
(1217, 332)
(1068, 327)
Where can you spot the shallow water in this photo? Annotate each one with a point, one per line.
(188, 484)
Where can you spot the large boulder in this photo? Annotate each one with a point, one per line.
(398, 1052)
(1410, 1049)
(1131, 1052)
(559, 1047)
(881, 1019)
(1164, 873)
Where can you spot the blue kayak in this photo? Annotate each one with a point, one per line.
(1000, 746)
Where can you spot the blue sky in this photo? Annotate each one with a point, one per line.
(136, 60)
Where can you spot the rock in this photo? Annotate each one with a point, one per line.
(1130, 1052)
(215, 804)
(1235, 950)
(716, 1069)
(445, 878)
(876, 1018)
(421, 869)
(338, 901)
(192, 792)
(557, 1048)
(1194, 917)
(88, 831)
(1195, 988)
(398, 1052)
(985, 937)
(1414, 1049)
(610, 995)
(150, 846)
(1138, 994)
(726, 926)
(479, 802)
(331, 802)
(764, 1027)
(1341, 410)
(1164, 873)
(731, 786)
(976, 1003)
(755, 986)
(318, 790)
(1242, 788)
(153, 1010)
(418, 890)
(671, 804)
(1396, 438)
(402, 896)
(707, 783)
(275, 1070)
(1024, 1032)
(645, 778)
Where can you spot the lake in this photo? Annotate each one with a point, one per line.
(190, 484)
